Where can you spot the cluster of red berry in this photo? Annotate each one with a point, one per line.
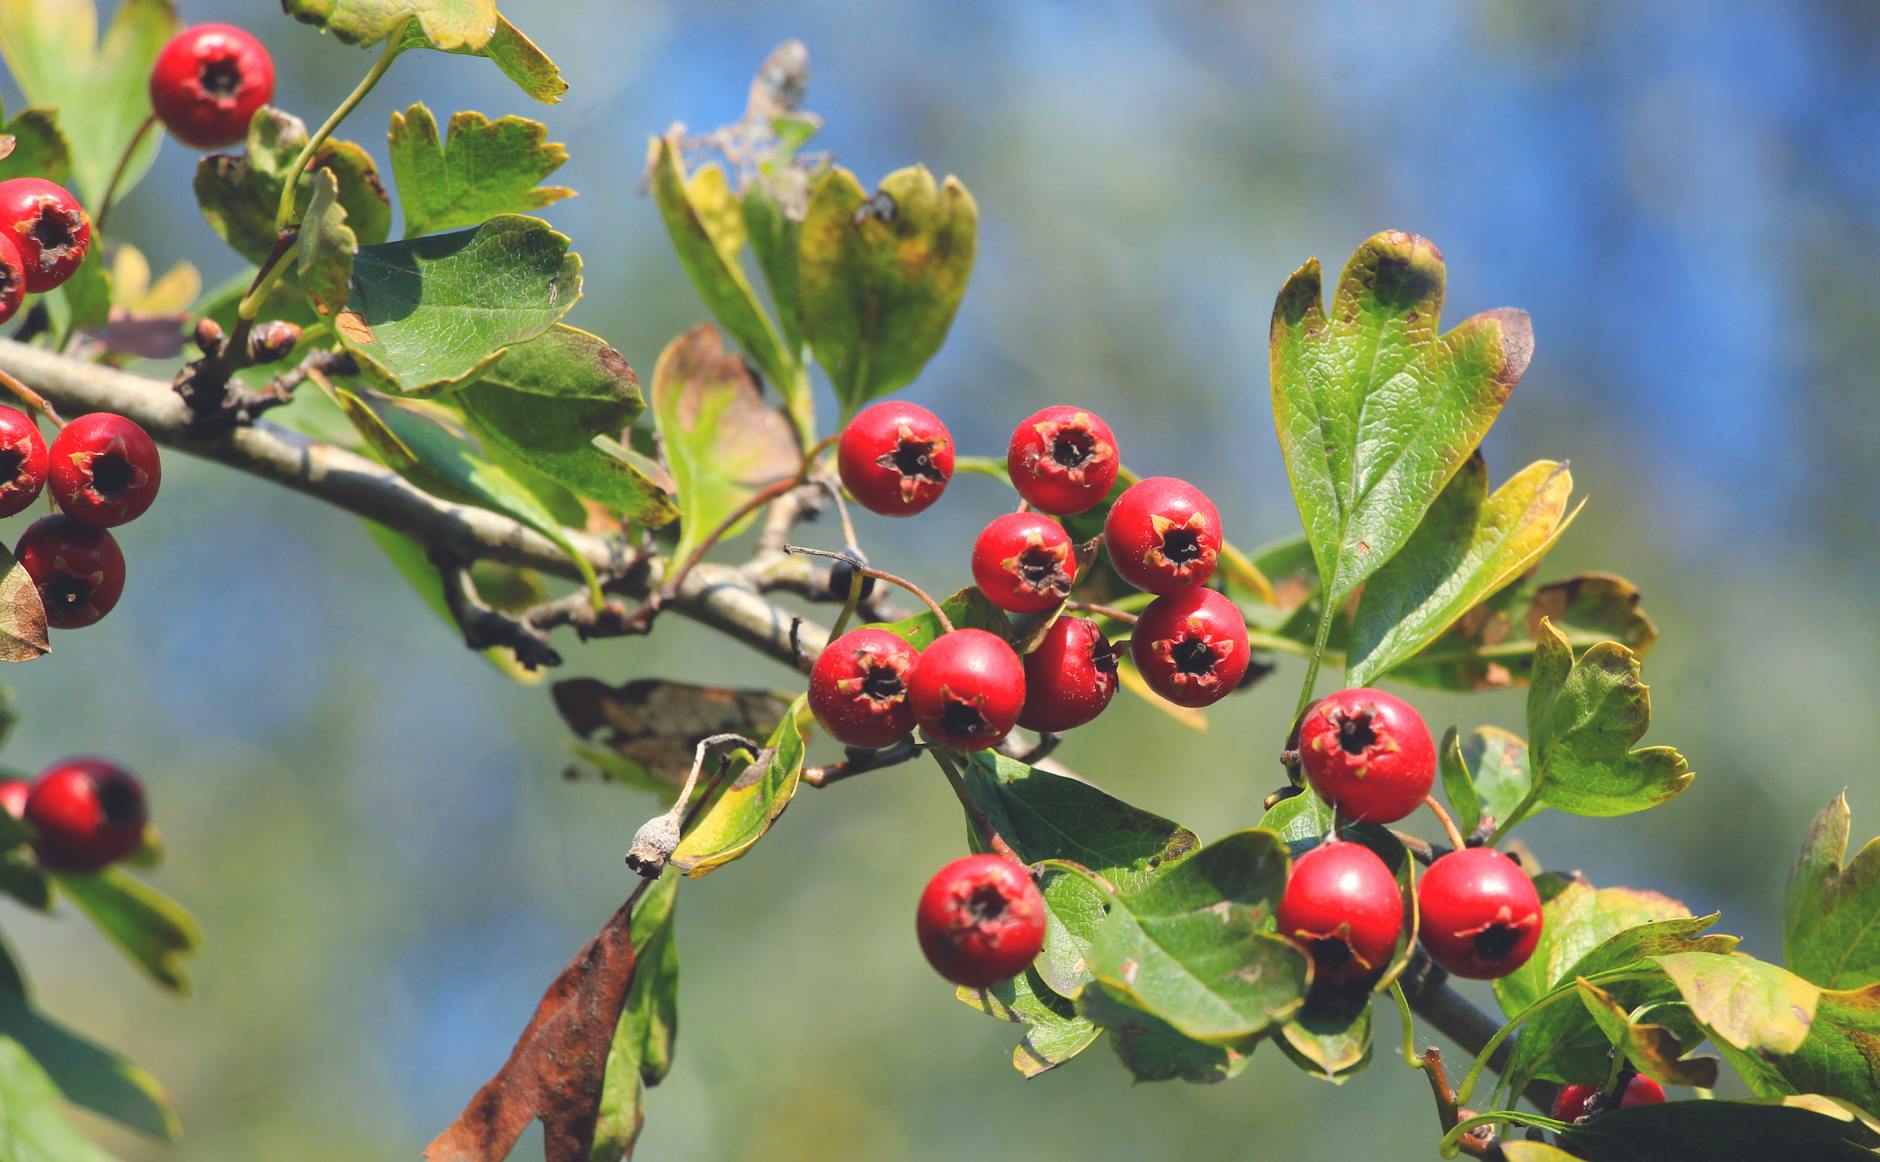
(44, 236)
(86, 814)
(104, 471)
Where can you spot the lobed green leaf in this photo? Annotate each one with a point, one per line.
(240, 193)
(1153, 1050)
(484, 168)
(328, 247)
(1830, 932)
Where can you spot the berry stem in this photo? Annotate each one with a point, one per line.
(860, 762)
(1319, 642)
(1461, 1139)
(1109, 611)
(994, 841)
(1449, 824)
(284, 214)
(1410, 1057)
(117, 175)
(31, 399)
(946, 623)
(1515, 816)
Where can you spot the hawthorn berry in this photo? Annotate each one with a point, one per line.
(78, 570)
(1344, 906)
(105, 470)
(858, 688)
(1368, 754)
(1063, 460)
(1023, 562)
(1191, 647)
(1163, 535)
(208, 82)
(23, 462)
(13, 793)
(86, 814)
(51, 229)
(1570, 1105)
(895, 458)
(980, 921)
(1481, 916)
(1069, 678)
(12, 278)
(967, 689)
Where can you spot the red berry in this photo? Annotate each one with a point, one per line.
(86, 814)
(895, 458)
(1481, 916)
(13, 794)
(858, 688)
(1063, 460)
(1368, 754)
(78, 570)
(968, 689)
(23, 461)
(1070, 678)
(208, 82)
(1023, 562)
(51, 229)
(981, 920)
(1163, 535)
(1570, 1105)
(105, 470)
(1344, 906)
(1191, 647)
(12, 278)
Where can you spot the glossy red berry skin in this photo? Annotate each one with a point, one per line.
(1343, 905)
(895, 458)
(1480, 914)
(968, 689)
(1368, 754)
(23, 461)
(858, 688)
(13, 793)
(78, 570)
(1063, 460)
(1163, 535)
(86, 814)
(105, 470)
(1191, 647)
(12, 278)
(1570, 1105)
(208, 82)
(1069, 678)
(1024, 562)
(980, 921)
(51, 229)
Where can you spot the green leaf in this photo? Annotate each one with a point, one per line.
(1495, 762)
(750, 804)
(879, 278)
(423, 443)
(1830, 934)
(83, 302)
(39, 147)
(32, 1127)
(1719, 1131)
(240, 193)
(1469, 546)
(99, 88)
(483, 169)
(1492, 647)
(413, 562)
(22, 614)
(524, 63)
(1743, 1002)
(1153, 1050)
(1655, 1050)
(1583, 717)
(1458, 784)
(1188, 947)
(546, 400)
(774, 237)
(703, 216)
(967, 609)
(1839, 1058)
(460, 27)
(87, 1074)
(1330, 1037)
(1055, 1032)
(1375, 409)
(432, 313)
(641, 1052)
(152, 929)
(722, 442)
(328, 248)
(22, 879)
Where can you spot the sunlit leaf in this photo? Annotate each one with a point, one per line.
(1830, 934)
(1055, 1032)
(239, 193)
(39, 148)
(1653, 1049)
(328, 248)
(152, 929)
(1492, 646)
(966, 609)
(1153, 1050)
(753, 800)
(643, 1040)
(484, 168)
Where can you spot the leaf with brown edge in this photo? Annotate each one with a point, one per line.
(1491, 646)
(1654, 1050)
(653, 727)
(557, 1070)
(22, 613)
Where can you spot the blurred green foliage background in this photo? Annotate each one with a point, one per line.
(370, 823)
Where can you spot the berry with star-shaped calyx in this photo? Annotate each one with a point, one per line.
(50, 228)
(1023, 562)
(105, 470)
(895, 458)
(1069, 678)
(1191, 647)
(1163, 535)
(78, 570)
(1368, 754)
(1344, 907)
(1481, 916)
(23, 461)
(1063, 460)
(86, 814)
(980, 920)
(858, 688)
(968, 689)
(208, 82)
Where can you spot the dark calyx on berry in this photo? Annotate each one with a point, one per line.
(221, 77)
(912, 457)
(965, 717)
(1040, 568)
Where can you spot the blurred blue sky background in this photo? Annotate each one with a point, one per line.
(370, 824)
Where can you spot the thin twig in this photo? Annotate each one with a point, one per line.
(946, 623)
(860, 762)
(981, 823)
(31, 399)
(1449, 824)
(1109, 611)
